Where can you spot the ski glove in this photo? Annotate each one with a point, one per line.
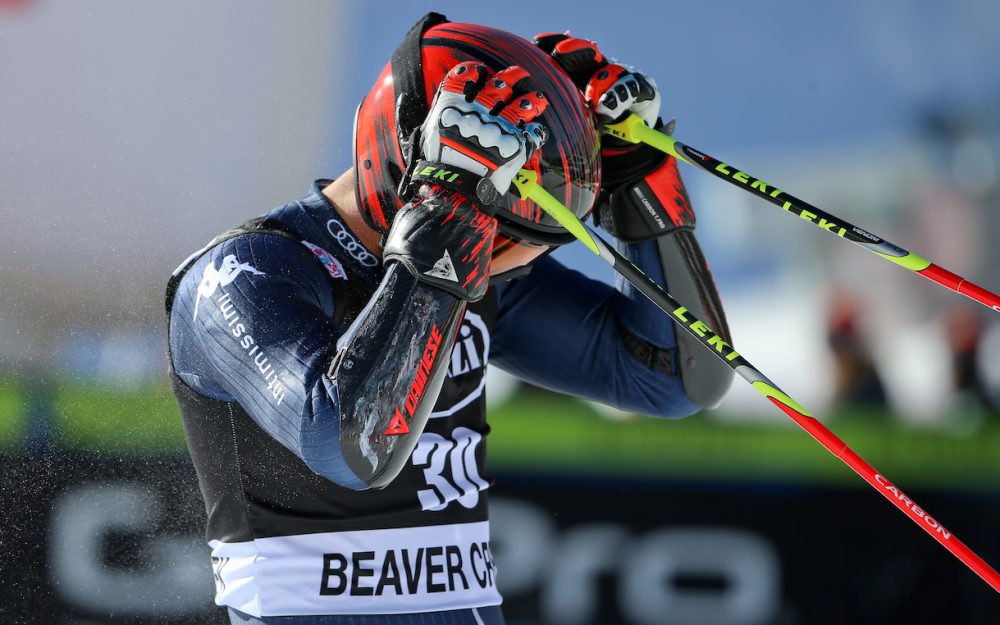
(643, 197)
(478, 134)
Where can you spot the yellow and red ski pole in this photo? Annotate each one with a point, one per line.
(634, 130)
(526, 185)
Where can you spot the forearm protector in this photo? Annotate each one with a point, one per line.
(392, 361)
(656, 206)
(388, 372)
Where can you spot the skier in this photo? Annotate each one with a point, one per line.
(329, 357)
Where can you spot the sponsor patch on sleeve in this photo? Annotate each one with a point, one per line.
(333, 266)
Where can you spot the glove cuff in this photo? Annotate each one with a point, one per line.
(650, 207)
(624, 163)
(443, 239)
(477, 189)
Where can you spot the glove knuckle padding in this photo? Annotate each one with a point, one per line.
(499, 88)
(631, 92)
(612, 89)
(579, 58)
(480, 128)
(601, 87)
(464, 78)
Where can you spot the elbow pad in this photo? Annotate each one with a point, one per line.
(388, 372)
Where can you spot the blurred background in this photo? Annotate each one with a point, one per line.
(133, 132)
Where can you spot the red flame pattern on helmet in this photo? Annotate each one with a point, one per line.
(568, 164)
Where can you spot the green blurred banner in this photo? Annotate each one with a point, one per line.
(544, 432)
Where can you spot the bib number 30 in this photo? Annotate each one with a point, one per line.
(450, 469)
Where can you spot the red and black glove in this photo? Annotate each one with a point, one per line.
(643, 195)
(478, 133)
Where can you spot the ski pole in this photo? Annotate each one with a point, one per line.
(526, 185)
(634, 130)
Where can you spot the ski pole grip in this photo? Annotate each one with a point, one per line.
(634, 130)
(526, 185)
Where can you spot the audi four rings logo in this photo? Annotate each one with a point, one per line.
(347, 241)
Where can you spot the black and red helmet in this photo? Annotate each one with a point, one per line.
(568, 164)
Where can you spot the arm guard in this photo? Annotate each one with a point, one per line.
(392, 361)
(656, 207)
(388, 372)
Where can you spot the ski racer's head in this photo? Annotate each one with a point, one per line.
(568, 163)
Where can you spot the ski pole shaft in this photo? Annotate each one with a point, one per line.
(634, 130)
(526, 184)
